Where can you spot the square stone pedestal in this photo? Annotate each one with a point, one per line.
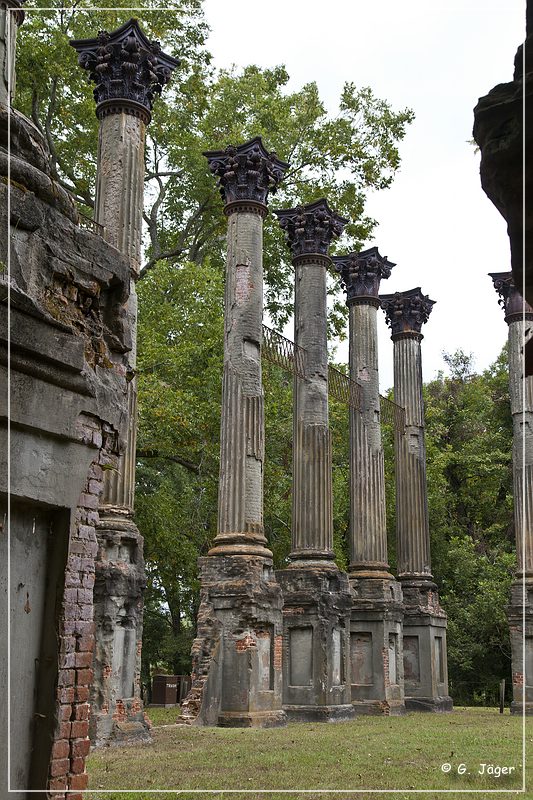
(424, 649)
(316, 664)
(117, 715)
(522, 684)
(237, 653)
(376, 646)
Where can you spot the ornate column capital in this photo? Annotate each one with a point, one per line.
(510, 299)
(246, 174)
(361, 274)
(127, 68)
(310, 228)
(406, 312)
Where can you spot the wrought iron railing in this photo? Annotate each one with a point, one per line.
(90, 224)
(285, 354)
(282, 352)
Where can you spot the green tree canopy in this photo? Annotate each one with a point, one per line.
(340, 156)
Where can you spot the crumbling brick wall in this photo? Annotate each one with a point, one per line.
(69, 341)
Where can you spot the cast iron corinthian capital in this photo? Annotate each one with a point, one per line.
(510, 298)
(127, 68)
(361, 274)
(406, 312)
(310, 228)
(246, 173)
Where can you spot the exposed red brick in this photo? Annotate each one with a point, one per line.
(278, 651)
(83, 659)
(63, 730)
(58, 784)
(77, 766)
(80, 748)
(65, 695)
(81, 711)
(85, 643)
(59, 766)
(80, 729)
(65, 712)
(84, 677)
(81, 694)
(245, 643)
(78, 782)
(85, 628)
(66, 677)
(61, 749)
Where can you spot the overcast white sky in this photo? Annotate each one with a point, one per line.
(436, 57)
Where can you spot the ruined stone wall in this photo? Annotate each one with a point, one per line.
(69, 339)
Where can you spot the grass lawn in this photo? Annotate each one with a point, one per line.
(377, 753)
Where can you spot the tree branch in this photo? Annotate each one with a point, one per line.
(175, 459)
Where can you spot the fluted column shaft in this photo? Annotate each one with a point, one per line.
(9, 23)
(119, 207)
(312, 512)
(368, 527)
(120, 183)
(240, 499)
(412, 523)
(521, 397)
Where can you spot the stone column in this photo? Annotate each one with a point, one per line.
(237, 652)
(316, 594)
(376, 647)
(11, 18)
(519, 317)
(424, 632)
(128, 70)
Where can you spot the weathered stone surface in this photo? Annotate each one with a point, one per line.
(316, 625)
(424, 627)
(69, 337)
(236, 671)
(376, 646)
(117, 711)
(236, 655)
(240, 499)
(499, 129)
(519, 317)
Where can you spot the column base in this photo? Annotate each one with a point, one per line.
(431, 704)
(376, 645)
(117, 715)
(316, 618)
(128, 727)
(424, 647)
(518, 709)
(521, 592)
(338, 713)
(253, 719)
(378, 708)
(236, 675)
(240, 544)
